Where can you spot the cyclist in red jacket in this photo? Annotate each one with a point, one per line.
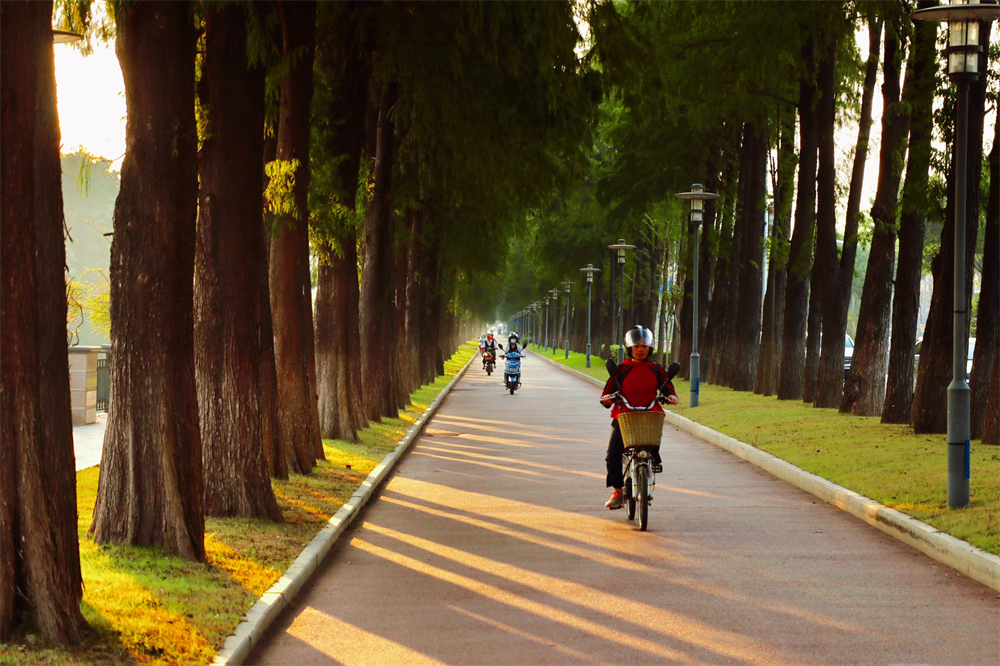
(639, 379)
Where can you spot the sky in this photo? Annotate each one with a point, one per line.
(91, 99)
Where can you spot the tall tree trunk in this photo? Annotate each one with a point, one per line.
(719, 307)
(278, 453)
(748, 303)
(40, 578)
(991, 415)
(864, 389)
(824, 269)
(928, 413)
(377, 311)
(777, 274)
(150, 490)
(338, 362)
(791, 376)
(988, 322)
(725, 359)
(396, 353)
(414, 333)
(918, 91)
(830, 385)
(229, 249)
(289, 269)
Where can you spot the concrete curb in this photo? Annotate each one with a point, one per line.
(260, 616)
(965, 558)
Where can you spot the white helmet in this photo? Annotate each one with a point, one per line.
(640, 335)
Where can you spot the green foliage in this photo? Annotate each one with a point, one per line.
(279, 196)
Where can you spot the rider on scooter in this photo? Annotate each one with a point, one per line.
(639, 379)
(489, 344)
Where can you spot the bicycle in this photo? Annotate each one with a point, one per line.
(641, 430)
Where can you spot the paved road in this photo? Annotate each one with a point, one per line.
(491, 545)
(88, 442)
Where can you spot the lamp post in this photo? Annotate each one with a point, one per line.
(589, 270)
(963, 68)
(555, 301)
(621, 246)
(546, 322)
(697, 196)
(536, 308)
(567, 283)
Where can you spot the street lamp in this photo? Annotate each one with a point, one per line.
(621, 246)
(568, 283)
(697, 196)
(963, 69)
(589, 270)
(546, 322)
(555, 300)
(536, 307)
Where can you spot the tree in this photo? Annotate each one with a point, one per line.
(918, 91)
(791, 377)
(777, 267)
(150, 490)
(291, 298)
(863, 389)
(377, 310)
(748, 305)
(338, 135)
(229, 256)
(830, 382)
(40, 579)
(928, 412)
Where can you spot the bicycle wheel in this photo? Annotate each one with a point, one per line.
(629, 497)
(642, 496)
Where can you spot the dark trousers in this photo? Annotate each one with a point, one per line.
(616, 447)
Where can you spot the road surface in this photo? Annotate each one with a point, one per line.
(491, 545)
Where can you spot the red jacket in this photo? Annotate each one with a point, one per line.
(639, 382)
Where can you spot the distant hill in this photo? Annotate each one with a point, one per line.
(89, 204)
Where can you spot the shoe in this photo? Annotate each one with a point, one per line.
(616, 500)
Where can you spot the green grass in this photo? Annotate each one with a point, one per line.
(145, 607)
(887, 463)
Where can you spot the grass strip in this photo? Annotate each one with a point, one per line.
(885, 462)
(148, 608)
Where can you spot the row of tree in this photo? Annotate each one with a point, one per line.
(747, 97)
(383, 151)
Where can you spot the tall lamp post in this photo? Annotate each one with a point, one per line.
(555, 302)
(621, 246)
(546, 322)
(697, 196)
(536, 307)
(963, 69)
(567, 283)
(589, 270)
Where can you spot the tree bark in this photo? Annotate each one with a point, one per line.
(864, 390)
(991, 415)
(777, 273)
(929, 410)
(338, 361)
(377, 310)
(229, 252)
(918, 91)
(791, 376)
(748, 304)
(830, 384)
(289, 269)
(150, 491)
(988, 322)
(414, 334)
(40, 580)
(719, 306)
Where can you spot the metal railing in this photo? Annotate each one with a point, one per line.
(104, 379)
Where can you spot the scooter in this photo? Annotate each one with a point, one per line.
(488, 362)
(512, 371)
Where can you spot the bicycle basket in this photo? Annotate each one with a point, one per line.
(641, 428)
